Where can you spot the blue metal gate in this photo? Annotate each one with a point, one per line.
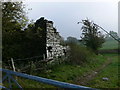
(9, 74)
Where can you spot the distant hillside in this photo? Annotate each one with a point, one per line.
(110, 44)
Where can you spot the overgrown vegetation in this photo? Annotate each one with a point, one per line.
(14, 21)
(79, 54)
(21, 41)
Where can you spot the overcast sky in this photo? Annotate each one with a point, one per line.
(65, 15)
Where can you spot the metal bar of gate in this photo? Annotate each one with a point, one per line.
(45, 80)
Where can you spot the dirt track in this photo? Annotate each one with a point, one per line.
(84, 80)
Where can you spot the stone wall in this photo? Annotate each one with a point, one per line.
(53, 39)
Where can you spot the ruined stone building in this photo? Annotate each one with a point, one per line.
(52, 39)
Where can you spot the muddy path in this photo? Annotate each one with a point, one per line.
(84, 80)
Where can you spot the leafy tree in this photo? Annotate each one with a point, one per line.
(13, 16)
(91, 36)
(14, 21)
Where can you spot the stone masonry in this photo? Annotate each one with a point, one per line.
(53, 39)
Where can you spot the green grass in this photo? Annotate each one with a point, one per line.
(64, 72)
(68, 73)
(110, 44)
(111, 72)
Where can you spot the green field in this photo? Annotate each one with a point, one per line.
(110, 44)
(70, 73)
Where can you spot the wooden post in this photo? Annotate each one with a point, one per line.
(13, 66)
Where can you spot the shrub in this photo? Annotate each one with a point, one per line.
(79, 54)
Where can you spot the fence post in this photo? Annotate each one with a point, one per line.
(13, 66)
